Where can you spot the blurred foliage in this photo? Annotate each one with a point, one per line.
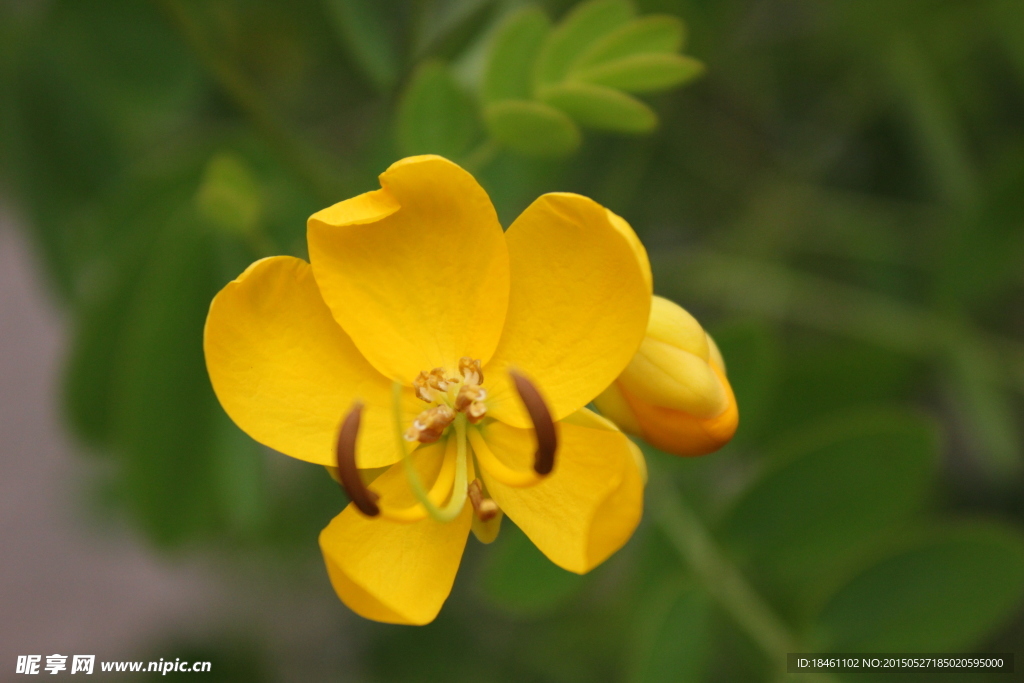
(840, 196)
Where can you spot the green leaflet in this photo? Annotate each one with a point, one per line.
(596, 106)
(587, 23)
(435, 115)
(508, 75)
(642, 73)
(532, 128)
(583, 67)
(655, 34)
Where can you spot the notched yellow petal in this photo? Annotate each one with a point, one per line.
(417, 272)
(368, 207)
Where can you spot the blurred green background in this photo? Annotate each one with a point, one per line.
(837, 194)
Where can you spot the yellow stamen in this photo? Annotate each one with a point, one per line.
(469, 394)
(477, 411)
(430, 385)
(430, 424)
(471, 371)
(485, 508)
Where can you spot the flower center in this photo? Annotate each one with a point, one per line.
(448, 395)
(456, 401)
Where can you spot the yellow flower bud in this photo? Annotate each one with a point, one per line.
(674, 394)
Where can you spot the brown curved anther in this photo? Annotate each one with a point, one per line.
(345, 451)
(543, 425)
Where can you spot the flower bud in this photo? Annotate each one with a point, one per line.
(674, 393)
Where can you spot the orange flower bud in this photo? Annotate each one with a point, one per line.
(674, 394)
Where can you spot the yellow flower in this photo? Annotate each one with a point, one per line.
(444, 359)
(674, 393)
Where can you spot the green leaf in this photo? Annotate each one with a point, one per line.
(585, 24)
(673, 636)
(509, 73)
(599, 107)
(133, 223)
(435, 115)
(521, 580)
(239, 477)
(830, 491)
(657, 33)
(642, 73)
(362, 30)
(101, 321)
(165, 409)
(942, 593)
(532, 128)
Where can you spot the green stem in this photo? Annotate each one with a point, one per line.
(293, 151)
(773, 290)
(722, 580)
(719, 577)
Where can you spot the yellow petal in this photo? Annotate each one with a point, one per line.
(667, 376)
(416, 272)
(395, 572)
(588, 507)
(639, 252)
(578, 305)
(285, 371)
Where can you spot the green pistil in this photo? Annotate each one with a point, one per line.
(461, 486)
